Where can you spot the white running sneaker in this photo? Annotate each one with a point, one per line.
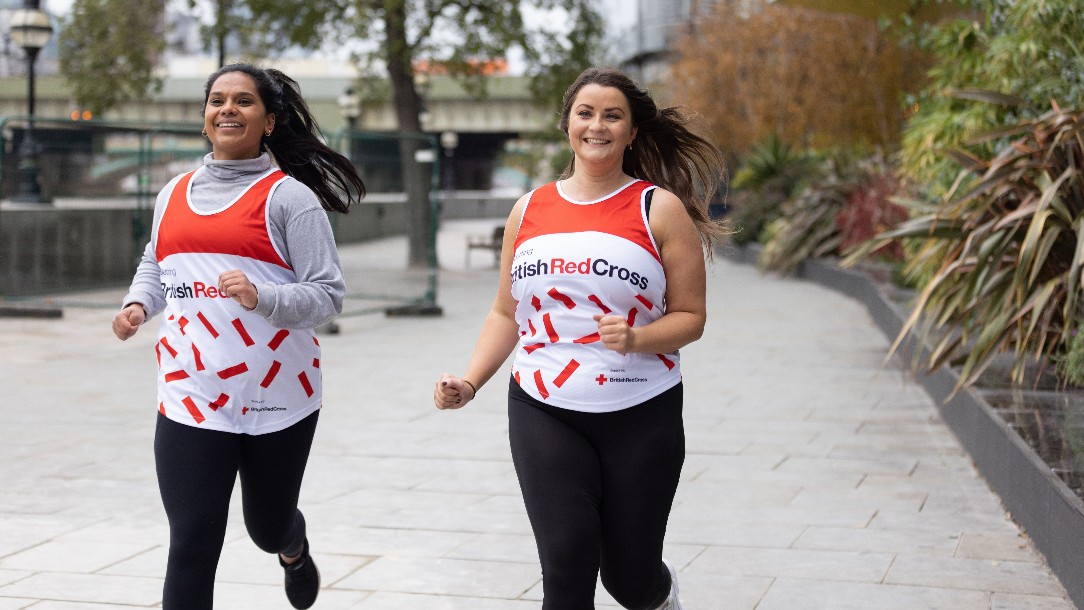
(673, 602)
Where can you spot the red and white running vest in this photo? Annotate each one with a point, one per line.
(574, 260)
(222, 367)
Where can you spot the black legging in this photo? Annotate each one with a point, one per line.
(196, 472)
(598, 488)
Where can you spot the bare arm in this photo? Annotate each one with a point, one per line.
(499, 334)
(686, 285)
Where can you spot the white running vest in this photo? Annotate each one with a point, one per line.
(222, 367)
(574, 260)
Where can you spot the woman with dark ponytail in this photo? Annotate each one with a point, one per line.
(602, 281)
(242, 266)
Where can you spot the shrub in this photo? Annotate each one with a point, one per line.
(1007, 249)
(995, 68)
(848, 202)
(771, 174)
(869, 210)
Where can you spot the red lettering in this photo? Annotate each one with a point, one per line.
(203, 290)
(560, 265)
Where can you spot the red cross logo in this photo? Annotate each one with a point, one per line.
(601, 379)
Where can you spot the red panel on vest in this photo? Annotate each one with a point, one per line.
(240, 229)
(620, 214)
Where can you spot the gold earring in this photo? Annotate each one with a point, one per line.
(267, 133)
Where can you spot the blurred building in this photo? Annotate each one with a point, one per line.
(642, 40)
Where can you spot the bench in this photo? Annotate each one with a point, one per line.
(493, 242)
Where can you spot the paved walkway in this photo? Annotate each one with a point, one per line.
(816, 478)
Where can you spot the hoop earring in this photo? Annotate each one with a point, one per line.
(204, 132)
(267, 133)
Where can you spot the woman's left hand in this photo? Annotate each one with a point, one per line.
(452, 392)
(236, 285)
(615, 333)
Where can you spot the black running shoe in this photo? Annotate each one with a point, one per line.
(302, 580)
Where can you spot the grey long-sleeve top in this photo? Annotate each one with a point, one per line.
(299, 227)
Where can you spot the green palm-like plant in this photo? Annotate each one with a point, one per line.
(845, 203)
(1007, 250)
(806, 227)
(771, 174)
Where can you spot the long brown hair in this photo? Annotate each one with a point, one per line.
(667, 151)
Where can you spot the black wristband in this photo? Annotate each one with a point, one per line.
(473, 389)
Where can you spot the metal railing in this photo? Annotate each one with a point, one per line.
(103, 177)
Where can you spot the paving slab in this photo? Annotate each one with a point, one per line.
(818, 475)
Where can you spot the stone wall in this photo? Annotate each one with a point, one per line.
(70, 245)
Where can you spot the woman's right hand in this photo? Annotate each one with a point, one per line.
(128, 320)
(452, 392)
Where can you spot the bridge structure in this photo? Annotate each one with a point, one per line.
(471, 132)
(102, 173)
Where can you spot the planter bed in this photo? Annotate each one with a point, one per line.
(1032, 490)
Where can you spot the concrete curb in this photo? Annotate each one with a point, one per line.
(27, 311)
(1040, 502)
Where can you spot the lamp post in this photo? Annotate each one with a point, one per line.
(421, 85)
(30, 30)
(449, 140)
(350, 108)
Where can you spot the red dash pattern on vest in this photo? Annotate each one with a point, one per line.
(193, 410)
(271, 373)
(563, 298)
(632, 317)
(541, 385)
(233, 371)
(554, 337)
(207, 325)
(276, 341)
(304, 379)
(566, 373)
(182, 322)
(533, 347)
(536, 303)
(197, 357)
(646, 302)
(169, 348)
(237, 324)
(597, 301)
(219, 402)
(668, 362)
(176, 376)
(588, 339)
